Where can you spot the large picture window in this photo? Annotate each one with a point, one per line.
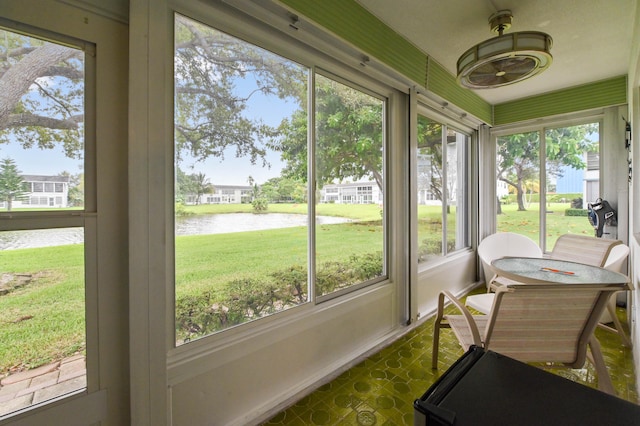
(250, 226)
(42, 238)
(442, 160)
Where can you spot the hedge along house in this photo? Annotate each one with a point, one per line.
(138, 372)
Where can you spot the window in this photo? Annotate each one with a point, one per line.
(349, 146)
(241, 131)
(544, 184)
(42, 303)
(238, 264)
(442, 180)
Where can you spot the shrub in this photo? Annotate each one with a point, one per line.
(576, 212)
(249, 298)
(260, 205)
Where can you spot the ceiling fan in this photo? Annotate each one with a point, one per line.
(505, 59)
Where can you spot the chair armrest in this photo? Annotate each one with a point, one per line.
(471, 324)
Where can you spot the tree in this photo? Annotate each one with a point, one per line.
(259, 201)
(75, 196)
(216, 77)
(183, 186)
(201, 185)
(42, 94)
(349, 136)
(11, 183)
(519, 155)
(191, 184)
(284, 190)
(430, 171)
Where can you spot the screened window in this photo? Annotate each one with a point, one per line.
(42, 302)
(232, 100)
(270, 234)
(349, 146)
(545, 178)
(442, 161)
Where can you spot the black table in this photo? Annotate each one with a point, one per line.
(486, 388)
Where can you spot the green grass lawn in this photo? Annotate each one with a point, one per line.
(527, 222)
(44, 320)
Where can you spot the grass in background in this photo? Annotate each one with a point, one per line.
(527, 222)
(205, 262)
(44, 320)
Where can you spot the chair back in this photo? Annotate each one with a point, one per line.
(583, 249)
(616, 258)
(503, 244)
(545, 323)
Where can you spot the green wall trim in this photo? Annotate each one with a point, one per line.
(350, 21)
(353, 23)
(445, 85)
(600, 94)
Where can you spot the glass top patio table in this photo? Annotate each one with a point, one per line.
(526, 270)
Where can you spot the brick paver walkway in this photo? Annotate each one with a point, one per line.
(23, 389)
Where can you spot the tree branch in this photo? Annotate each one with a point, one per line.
(27, 119)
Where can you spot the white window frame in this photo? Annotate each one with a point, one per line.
(426, 110)
(68, 218)
(541, 126)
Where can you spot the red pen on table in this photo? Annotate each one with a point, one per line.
(557, 271)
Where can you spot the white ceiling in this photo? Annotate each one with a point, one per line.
(591, 38)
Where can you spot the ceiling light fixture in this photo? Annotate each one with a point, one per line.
(505, 59)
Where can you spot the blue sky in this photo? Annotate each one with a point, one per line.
(231, 171)
(35, 161)
(235, 171)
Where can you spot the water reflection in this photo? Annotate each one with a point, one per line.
(241, 222)
(11, 240)
(190, 225)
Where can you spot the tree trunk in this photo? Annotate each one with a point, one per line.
(520, 197)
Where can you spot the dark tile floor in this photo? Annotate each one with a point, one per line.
(381, 389)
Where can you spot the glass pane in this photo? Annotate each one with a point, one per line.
(42, 287)
(430, 189)
(349, 174)
(456, 178)
(42, 315)
(573, 179)
(518, 184)
(41, 128)
(241, 214)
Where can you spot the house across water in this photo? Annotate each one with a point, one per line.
(42, 191)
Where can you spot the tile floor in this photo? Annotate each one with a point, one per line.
(381, 389)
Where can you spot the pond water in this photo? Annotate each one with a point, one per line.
(11, 240)
(240, 222)
(189, 225)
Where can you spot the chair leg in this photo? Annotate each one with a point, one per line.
(626, 341)
(604, 380)
(436, 332)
